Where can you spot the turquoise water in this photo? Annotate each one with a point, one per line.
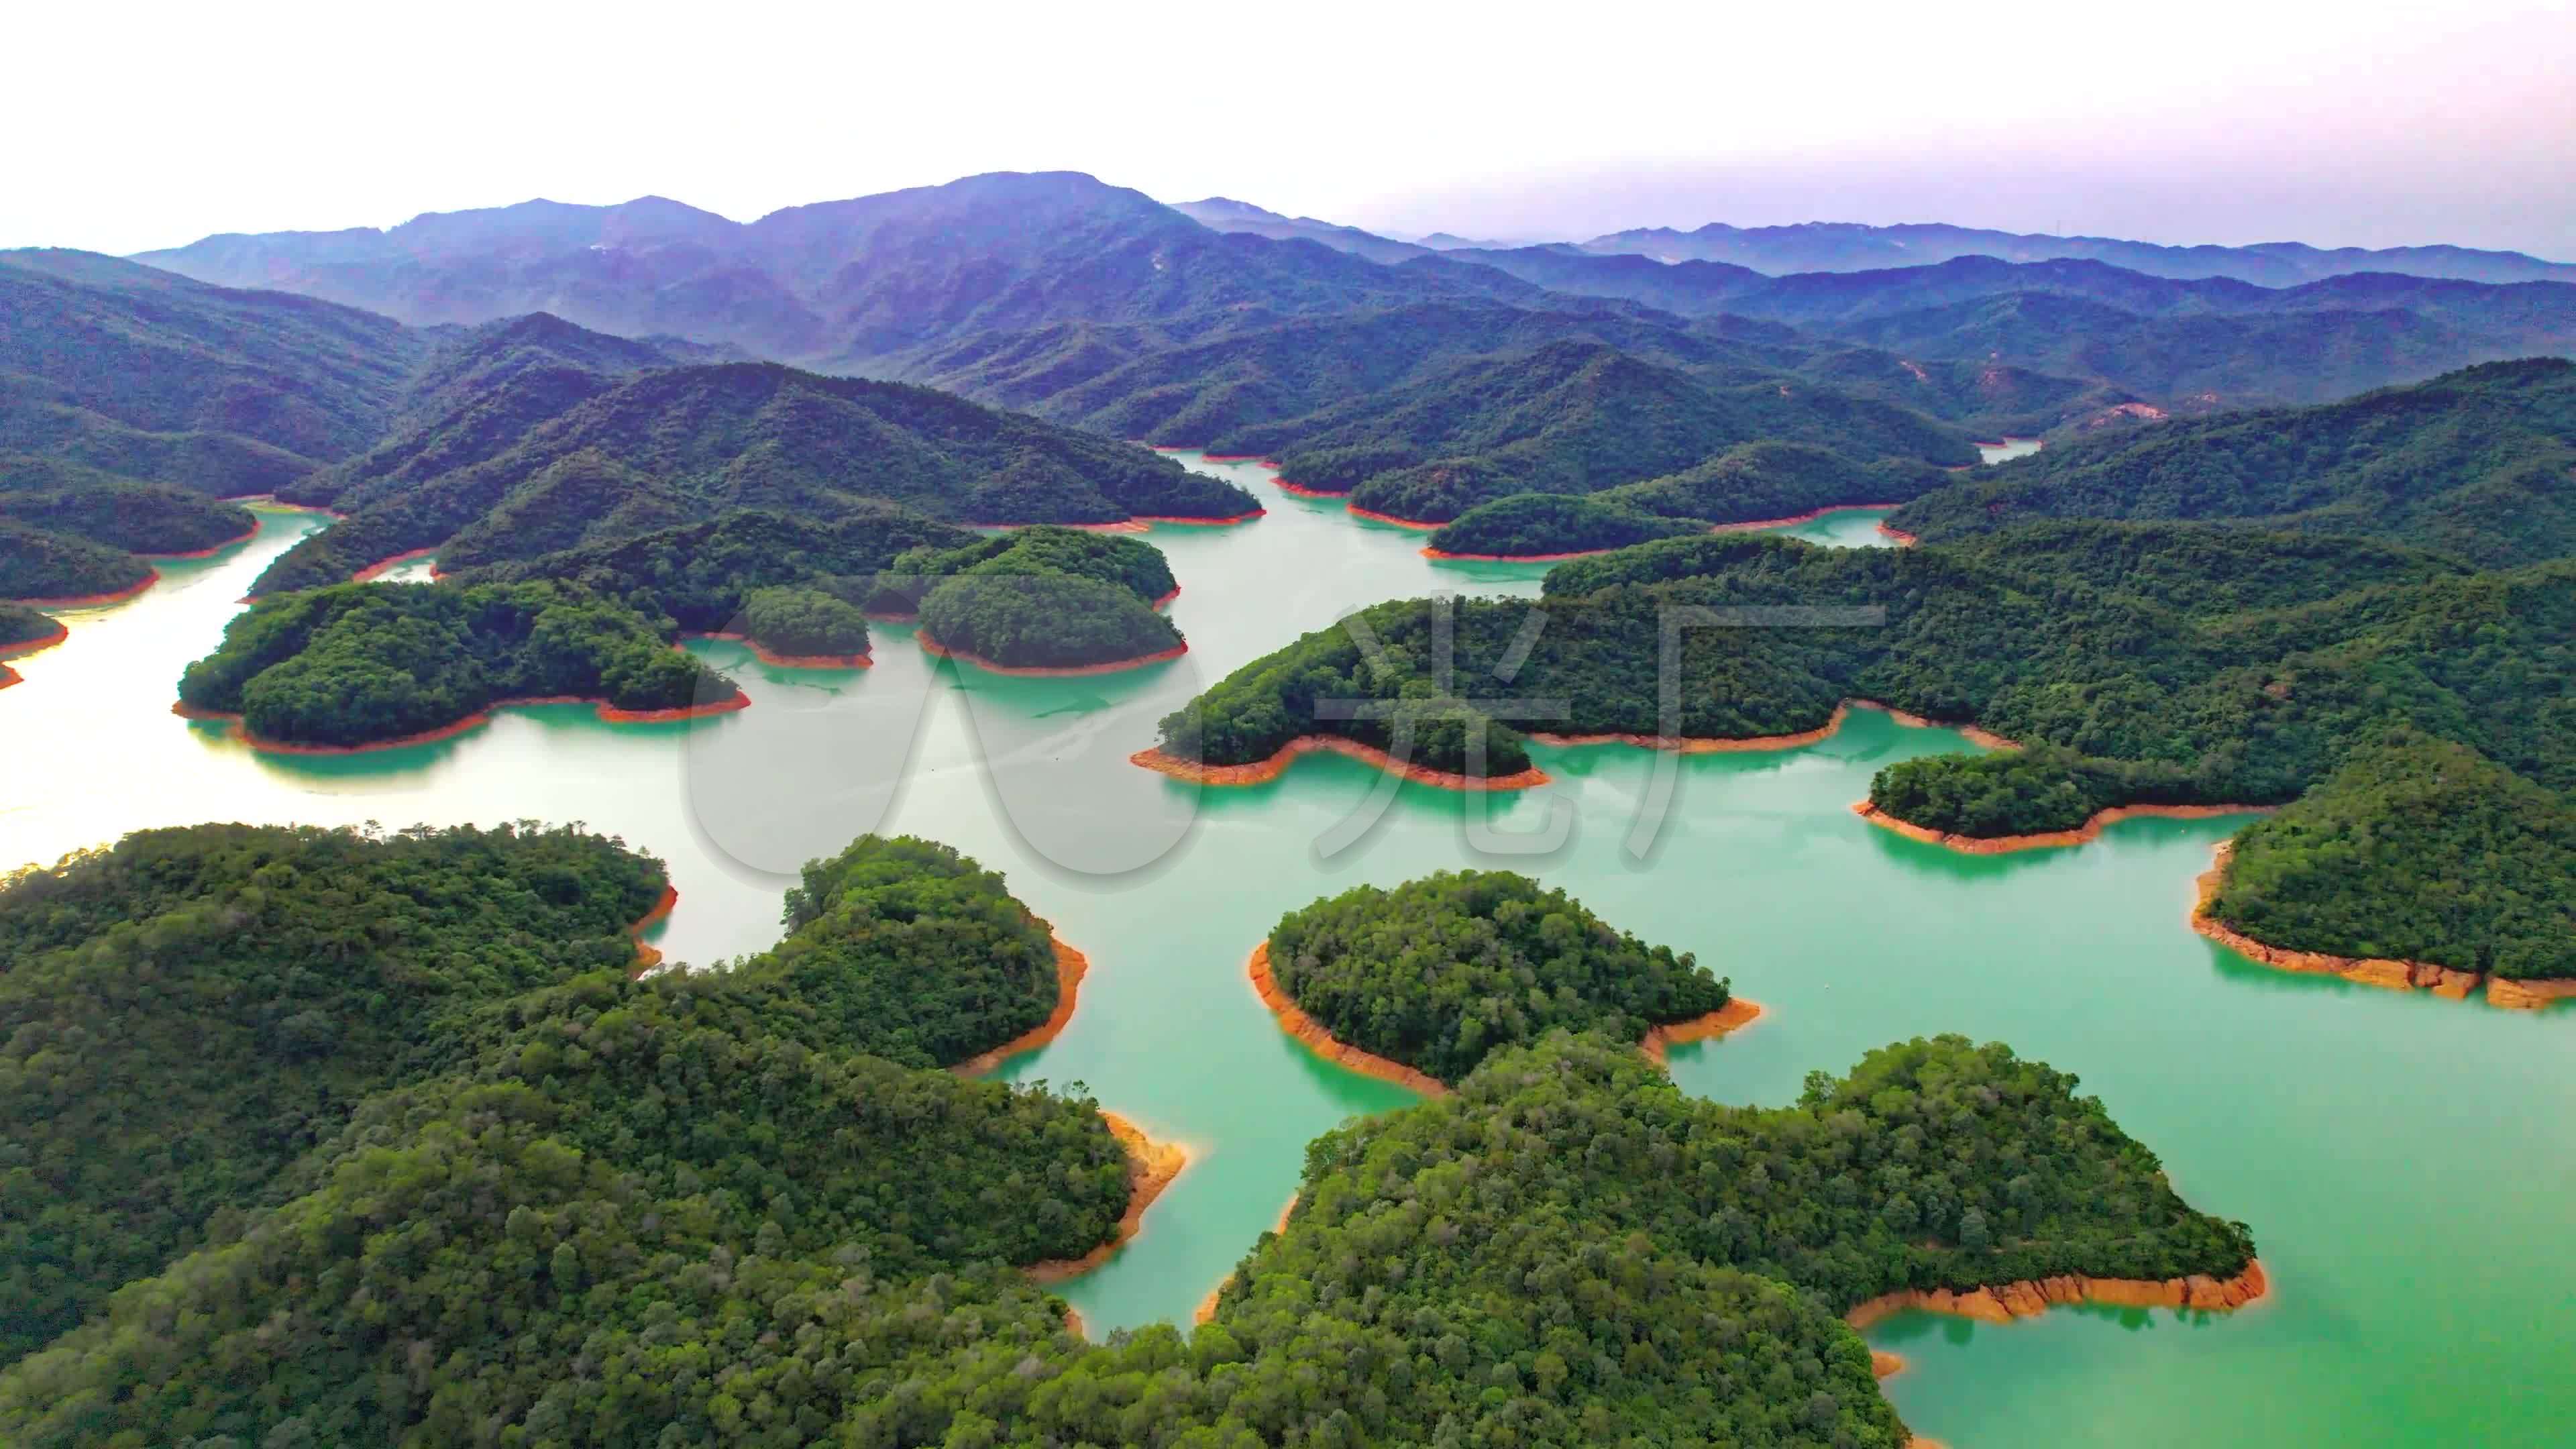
(2406, 1163)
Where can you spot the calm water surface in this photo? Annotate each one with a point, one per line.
(2406, 1163)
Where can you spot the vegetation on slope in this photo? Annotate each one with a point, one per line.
(1534, 524)
(1761, 481)
(117, 512)
(2417, 849)
(685, 444)
(39, 564)
(2480, 464)
(186, 1012)
(22, 625)
(1037, 598)
(362, 663)
(792, 621)
(1441, 971)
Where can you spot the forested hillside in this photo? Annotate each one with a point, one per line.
(2480, 464)
(1037, 598)
(600, 1210)
(680, 445)
(2167, 663)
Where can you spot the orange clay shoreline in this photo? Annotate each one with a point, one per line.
(2090, 830)
(936, 649)
(1711, 745)
(1302, 491)
(1735, 1015)
(1135, 523)
(1810, 516)
(2447, 982)
(647, 955)
(1903, 539)
(1447, 557)
(1151, 1167)
(608, 713)
(2027, 1298)
(384, 566)
(786, 661)
(1293, 1020)
(1374, 516)
(29, 646)
(1261, 772)
(1070, 967)
(1206, 1311)
(150, 577)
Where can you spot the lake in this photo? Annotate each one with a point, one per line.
(2406, 1162)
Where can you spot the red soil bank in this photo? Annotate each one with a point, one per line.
(1136, 524)
(1373, 514)
(1235, 458)
(1165, 601)
(790, 661)
(1048, 671)
(245, 537)
(1448, 557)
(25, 647)
(1261, 772)
(451, 730)
(1302, 491)
(384, 566)
(2027, 1298)
(1151, 1166)
(1810, 516)
(1735, 1015)
(2443, 981)
(648, 956)
(1200, 522)
(1903, 539)
(2047, 839)
(1070, 967)
(1294, 1021)
(150, 577)
(1206, 1311)
(8, 676)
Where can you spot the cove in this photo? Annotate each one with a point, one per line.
(2405, 1161)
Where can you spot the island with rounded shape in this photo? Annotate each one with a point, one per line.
(1420, 982)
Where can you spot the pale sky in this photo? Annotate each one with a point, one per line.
(2367, 123)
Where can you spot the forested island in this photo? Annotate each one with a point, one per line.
(2160, 664)
(363, 665)
(1437, 973)
(1037, 600)
(743, 1204)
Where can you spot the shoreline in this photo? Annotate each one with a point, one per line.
(648, 955)
(25, 647)
(1734, 1016)
(1262, 772)
(2448, 982)
(1070, 967)
(1445, 556)
(1151, 1167)
(1903, 539)
(784, 661)
(384, 566)
(1133, 523)
(1293, 1020)
(1811, 515)
(1178, 521)
(1376, 517)
(1206, 1311)
(150, 577)
(2028, 1298)
(608, 713)
(2086, 833)
(1727, 744)
(938, 650)
(1302, 491)
(233, 542)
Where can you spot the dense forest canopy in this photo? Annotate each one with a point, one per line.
(1441, 971)
(22, 625)
(2160, 663)
(613, 1211)
(1037, 598)
(361, 663)
(1527, 525)
(37, 563)
(684, 444)
(2480, 464)
(187, 1011)
(2417, 849)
